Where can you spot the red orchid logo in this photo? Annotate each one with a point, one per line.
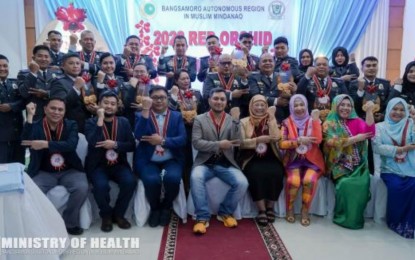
(188, 94)
(145, 80)
(86, 77)
(372, 89)
(152, 50)
(217, 50)
(285, 66)
(112, 83)
(238, 46)
(320, 93)
(71, 17)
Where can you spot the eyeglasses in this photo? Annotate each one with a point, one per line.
(224, 63)
(158, 98)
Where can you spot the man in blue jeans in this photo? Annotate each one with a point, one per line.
(215, 134)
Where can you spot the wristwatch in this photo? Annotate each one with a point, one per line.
(116, 146)
(163, 142)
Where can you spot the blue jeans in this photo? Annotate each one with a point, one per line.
(122, 175)
(150, 175)
(230, 175)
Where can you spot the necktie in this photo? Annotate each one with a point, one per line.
(87, 57)
(322, 83)
(44, 75)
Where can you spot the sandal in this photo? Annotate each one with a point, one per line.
(270, 215)
(290, 218)
(262, 219)
(305, 219)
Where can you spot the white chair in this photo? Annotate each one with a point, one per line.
(59, 195)
(142, 207)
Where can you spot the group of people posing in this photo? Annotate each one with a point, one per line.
(256, 121)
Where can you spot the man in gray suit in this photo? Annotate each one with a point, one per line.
(215, 133)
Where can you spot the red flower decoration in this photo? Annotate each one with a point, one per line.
(145, 80)
(188, 94)
(146, 40)
(71, 17)
(217, 50)
(112, 83)
(86, 77)
(151, 50)
(285, 66)
(238, 46)
(143, 27)
(372, 89)
(320, 93)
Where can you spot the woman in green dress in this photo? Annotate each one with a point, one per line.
(345, 149)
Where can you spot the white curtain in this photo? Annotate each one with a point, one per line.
(375, 40)
(408, 35)
(13, 35)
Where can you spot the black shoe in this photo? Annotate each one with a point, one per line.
(121, 222)
(154, 219)
(106, 224)
(76, 231)
(165, 217)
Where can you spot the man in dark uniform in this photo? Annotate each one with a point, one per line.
(54, 42)
(89, 57)
(209, 63)
(69, 87)
(265, 82)
(34, 83)
(246, 41)
(319, 88)
(130, 57)
(236, 86)
(168, 65)
(11, 117)
(281, 57)
(371, 88)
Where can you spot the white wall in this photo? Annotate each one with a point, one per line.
(13, 35)
(408, 39)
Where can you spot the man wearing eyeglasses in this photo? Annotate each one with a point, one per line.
(159, 158)
(235, 84)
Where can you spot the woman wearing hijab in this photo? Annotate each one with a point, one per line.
(395, 142)
(405, 88)
(341, 67)
(306, 60)
(303, 160)
(345, 149)
(260, 159)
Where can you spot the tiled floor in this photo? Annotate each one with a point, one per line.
(321, 240)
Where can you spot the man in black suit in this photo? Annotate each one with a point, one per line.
(34, 83)
(11, 117)
(53, 158)
(130, 57)
(69, 87)
(54, 42)
(170, 64)
(208, 63)
(110, 138)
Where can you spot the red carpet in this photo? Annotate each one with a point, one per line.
(247, 241)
